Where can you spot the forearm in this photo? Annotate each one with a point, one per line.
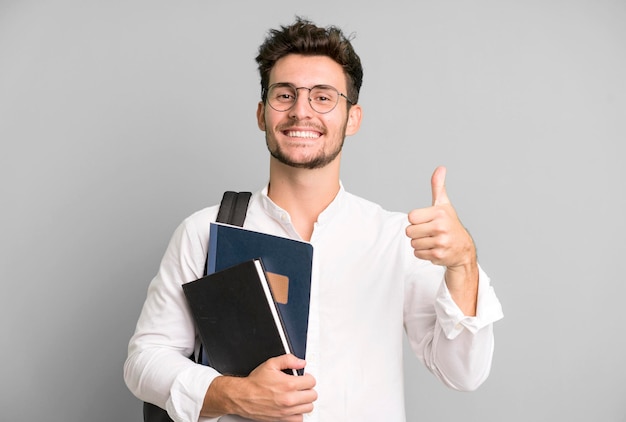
(462, 283)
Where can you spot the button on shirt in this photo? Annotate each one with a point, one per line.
(368, 289)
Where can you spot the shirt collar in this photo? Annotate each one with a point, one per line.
(277, 212)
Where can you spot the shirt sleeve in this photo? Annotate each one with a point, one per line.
(158, 369)
(452, 319)
(456, 348)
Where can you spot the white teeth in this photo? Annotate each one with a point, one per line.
(303, 134)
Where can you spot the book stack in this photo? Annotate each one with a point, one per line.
(253, 304)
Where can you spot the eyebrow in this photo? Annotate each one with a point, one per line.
(296, 86)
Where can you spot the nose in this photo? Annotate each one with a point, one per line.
(302, 108)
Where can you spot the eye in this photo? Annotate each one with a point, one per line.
(282, 94)
(323, 95)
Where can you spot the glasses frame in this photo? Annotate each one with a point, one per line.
(296, 89)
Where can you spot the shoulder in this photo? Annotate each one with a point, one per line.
(202, 217)
(194, 229)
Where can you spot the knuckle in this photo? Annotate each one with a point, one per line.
(287, 401)
(439, 226)
(440, 212)
(291, 386)
(438, 254)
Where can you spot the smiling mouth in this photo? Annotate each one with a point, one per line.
(303, 134)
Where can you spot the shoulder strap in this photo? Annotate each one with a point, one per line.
(233, 208)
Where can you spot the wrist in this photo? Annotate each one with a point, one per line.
(217, 401)
(462, 283)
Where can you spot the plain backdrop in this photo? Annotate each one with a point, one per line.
(120, 118)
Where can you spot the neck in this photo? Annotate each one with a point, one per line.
(303, 193)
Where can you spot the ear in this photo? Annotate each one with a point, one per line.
(260, 116)
(354, 120)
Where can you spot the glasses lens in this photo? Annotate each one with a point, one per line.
(323, 98)
(281, 96)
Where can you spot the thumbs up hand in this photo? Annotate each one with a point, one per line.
(437, 235)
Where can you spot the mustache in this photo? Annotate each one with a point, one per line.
(301, 125)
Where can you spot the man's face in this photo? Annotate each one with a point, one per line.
(301, 137)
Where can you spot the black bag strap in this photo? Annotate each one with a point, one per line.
(232, 210)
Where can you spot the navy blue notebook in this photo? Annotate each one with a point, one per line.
(288, 264)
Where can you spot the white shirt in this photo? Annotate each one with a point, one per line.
(368, 288)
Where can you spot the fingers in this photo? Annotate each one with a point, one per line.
(280, 363)
(288, 361)
(430, 237)
(424, 215)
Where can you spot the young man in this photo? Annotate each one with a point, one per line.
(377, 274)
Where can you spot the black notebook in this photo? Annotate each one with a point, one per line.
(237, 318)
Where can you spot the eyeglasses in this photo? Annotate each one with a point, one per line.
(322, 98)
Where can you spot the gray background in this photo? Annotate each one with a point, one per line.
(120, 118)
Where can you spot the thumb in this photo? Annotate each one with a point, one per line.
(438, 184)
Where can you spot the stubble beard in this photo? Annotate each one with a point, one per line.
(321, 160)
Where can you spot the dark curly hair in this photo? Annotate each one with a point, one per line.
(304, 37)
